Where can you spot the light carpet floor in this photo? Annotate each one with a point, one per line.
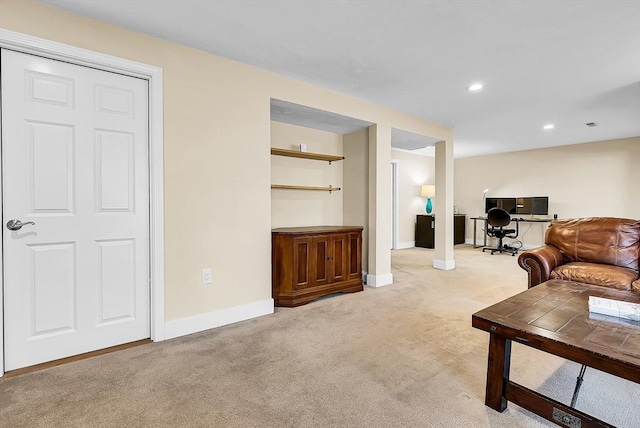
(403, 355)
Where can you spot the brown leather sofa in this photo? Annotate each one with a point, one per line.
(600, 250)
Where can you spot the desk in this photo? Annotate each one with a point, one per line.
(518, 219)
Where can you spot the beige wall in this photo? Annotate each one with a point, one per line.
(413, 172)
(291, 208)
(581, 180)
(356, 186)
(217, 166)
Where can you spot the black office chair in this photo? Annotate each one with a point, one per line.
(498, 219)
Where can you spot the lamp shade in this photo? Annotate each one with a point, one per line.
(428, 191)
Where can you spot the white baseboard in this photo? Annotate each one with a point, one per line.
(479, 241)
(379, 280)
(405, 245)
(206, 321)
(444, 264)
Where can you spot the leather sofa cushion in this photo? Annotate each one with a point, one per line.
(597, 274)
(607, 240)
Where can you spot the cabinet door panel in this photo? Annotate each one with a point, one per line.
(319, 260)
(354, 256)
(459, 229)
(301, 259)
(425, 231)
(338, 257)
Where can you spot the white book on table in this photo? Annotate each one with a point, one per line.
(616, 308)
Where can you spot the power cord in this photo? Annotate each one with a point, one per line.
(514, 245)
(517, 244)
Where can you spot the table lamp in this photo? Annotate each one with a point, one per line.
(484, 200)
(427, 191)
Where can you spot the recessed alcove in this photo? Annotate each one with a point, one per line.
(301, 194)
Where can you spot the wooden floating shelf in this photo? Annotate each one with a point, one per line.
(305, 155)
(287, 186)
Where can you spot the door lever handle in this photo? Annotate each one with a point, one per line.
(17, 224)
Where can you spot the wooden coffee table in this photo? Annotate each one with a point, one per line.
(554, 317)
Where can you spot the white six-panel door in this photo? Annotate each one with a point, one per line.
(74, 162)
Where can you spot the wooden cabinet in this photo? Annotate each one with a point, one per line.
(309, 262)
(425, 230)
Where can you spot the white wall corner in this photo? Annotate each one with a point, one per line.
(405, 245)
(444, 264)
(379, 280)
(209, 320)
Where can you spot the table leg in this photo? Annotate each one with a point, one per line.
(497, 372)
(484, 233)
(474, 233)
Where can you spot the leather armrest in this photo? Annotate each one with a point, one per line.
(539, 263)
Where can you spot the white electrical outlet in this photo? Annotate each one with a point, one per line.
(206, 276)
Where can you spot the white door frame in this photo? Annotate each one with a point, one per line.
(394, 204)
(53, 50)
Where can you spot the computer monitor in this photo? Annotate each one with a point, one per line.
(507, 204)
(538, 205)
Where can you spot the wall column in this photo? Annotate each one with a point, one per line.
(379, 273)
(444, 206)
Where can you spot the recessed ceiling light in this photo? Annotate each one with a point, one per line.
(549, 126)
(475, 87)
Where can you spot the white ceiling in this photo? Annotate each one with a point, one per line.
(296, 114)
(562, 62)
